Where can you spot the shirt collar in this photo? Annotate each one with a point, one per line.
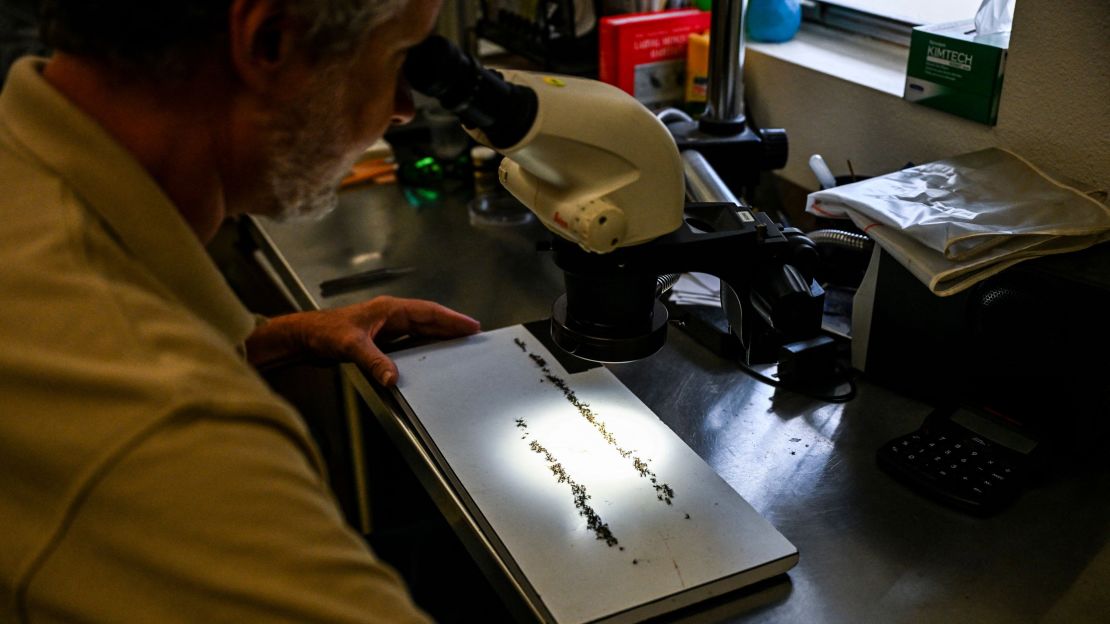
(114, 185)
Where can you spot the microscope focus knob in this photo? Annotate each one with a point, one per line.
(776, 148)
(600, 226)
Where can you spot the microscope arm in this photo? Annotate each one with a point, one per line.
(610, 311)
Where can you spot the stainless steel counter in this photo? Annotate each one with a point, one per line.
(871, 550)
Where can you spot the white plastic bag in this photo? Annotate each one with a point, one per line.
(955, 221)
(994, 17)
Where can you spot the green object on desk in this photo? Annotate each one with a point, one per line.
(421, 196)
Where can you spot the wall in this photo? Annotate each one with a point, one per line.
(1055, 107)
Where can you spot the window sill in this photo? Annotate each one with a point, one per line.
(874, 64)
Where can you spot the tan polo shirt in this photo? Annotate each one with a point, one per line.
(146, 472)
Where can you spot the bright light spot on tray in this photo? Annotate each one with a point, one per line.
(583, 453)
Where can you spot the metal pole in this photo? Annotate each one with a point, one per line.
(726, 62)
(702, 182)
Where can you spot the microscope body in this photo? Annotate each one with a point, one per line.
(605, 175)
(597, 167)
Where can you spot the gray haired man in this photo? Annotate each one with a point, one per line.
(148, 473)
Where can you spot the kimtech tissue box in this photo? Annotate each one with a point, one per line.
(953, 69)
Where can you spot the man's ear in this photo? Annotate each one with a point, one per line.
(262, 43)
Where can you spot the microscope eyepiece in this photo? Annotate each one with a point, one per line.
(481, 97)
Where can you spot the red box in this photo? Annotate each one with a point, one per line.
(645, 53)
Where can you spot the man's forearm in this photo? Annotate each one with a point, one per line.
(275, 340)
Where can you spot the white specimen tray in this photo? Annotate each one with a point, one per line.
(481, 402)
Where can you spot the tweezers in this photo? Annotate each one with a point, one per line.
(365, 279)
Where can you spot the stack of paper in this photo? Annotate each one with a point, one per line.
(697, 289)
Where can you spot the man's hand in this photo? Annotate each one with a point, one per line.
(348, 334)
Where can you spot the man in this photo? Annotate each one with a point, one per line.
(146, 473)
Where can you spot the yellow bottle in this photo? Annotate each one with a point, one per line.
(697, 72)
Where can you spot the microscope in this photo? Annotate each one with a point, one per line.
(605, 175)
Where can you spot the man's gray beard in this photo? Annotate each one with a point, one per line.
(307, 157)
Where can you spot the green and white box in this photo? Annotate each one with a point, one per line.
(953, 69)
